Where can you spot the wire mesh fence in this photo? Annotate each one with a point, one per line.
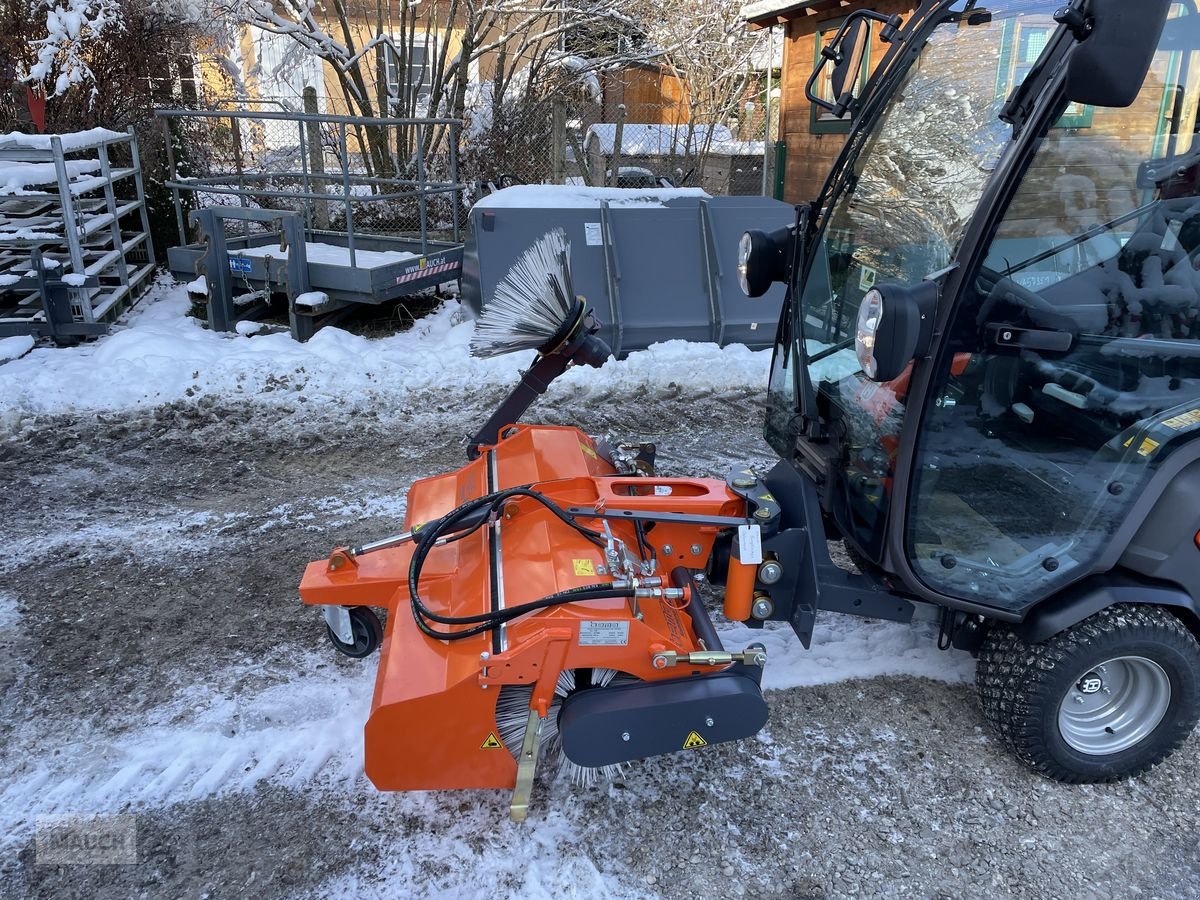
(343, 174)
(413, 177)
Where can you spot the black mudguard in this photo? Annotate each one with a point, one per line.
(1091, 595)
(612, 725)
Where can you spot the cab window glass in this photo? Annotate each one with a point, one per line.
(1073, 368)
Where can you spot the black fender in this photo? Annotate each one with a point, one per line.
(1087, 597)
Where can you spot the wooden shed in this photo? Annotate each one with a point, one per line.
(813, 138)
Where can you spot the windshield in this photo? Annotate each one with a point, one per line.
(915, 186)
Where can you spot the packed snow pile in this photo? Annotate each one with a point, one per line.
(163, 355)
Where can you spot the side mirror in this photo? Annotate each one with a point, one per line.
(848, 63)
(846, 52)
(1118, 40)
(762, 260)
(895, 326)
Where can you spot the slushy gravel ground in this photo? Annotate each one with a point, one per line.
(147, 590)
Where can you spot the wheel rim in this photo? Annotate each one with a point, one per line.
(1114, 705)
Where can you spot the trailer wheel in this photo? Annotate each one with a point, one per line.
(1110, 697)
(368, 633)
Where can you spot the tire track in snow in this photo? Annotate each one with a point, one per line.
(293, 734)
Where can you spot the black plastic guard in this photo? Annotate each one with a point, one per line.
(660, 717)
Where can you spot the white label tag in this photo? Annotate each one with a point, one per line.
(662, 490)
(603, 634)
(593, 234)
(749, 545)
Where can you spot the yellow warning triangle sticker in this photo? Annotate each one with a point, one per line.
(490, 742)
(693, 741)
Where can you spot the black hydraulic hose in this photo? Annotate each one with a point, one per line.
(453, 522)
(507, 615)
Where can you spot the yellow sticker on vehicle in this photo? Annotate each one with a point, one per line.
(1148, 447)
(588, 450)
(491, 743)
(584, 567)
(1183, 420)
(694, 741)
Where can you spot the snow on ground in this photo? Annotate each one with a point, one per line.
(15, 347)
(845, 648)
(8, 611)
(210, 740)
(163, 355)
(204, 743)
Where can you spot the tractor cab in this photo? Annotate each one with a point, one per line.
(989, 357)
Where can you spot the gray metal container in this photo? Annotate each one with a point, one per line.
(655, 265)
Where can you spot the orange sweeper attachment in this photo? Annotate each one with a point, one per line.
(543, 596)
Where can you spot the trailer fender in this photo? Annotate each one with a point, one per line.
(1088, 597)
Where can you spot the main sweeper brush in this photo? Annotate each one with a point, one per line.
(543, 593)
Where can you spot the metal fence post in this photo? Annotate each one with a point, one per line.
(618, 141)
(558, 137)
(422, 188)
(456, 192)
(346, 193)
(316, 159)
(173, 177)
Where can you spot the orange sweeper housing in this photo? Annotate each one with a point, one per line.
(544, 593)
(434, 722)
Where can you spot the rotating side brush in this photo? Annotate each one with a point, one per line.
(535, 308)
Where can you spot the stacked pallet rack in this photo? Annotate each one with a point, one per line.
(79, 199)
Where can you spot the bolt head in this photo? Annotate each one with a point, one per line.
(709, 722)
(762, 514)
(770, 572)
(696, 549)
(762, 608)
(668, 550)
(625, 736)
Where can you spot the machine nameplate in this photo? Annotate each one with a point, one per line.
(603, 634)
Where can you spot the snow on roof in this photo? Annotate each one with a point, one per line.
(566, 196)
(761, 9)
(654, 140)
(75, 140)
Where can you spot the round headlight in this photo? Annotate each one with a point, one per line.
(870, 314)
(761, 260)
(745, 253)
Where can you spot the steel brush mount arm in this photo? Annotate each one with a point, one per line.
(535, 307)
(582, 347)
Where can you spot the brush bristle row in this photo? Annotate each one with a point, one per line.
(531, 303)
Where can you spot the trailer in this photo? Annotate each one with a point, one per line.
(327, 211)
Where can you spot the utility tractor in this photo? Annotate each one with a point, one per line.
(986, 383)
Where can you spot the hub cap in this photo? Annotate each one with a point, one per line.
(1114, 705)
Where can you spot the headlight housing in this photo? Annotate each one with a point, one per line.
(762, 260)
(870, 315)
(895, 326)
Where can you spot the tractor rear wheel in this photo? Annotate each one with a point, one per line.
(1107, 698)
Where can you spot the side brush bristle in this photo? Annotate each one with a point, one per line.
(532, 302)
